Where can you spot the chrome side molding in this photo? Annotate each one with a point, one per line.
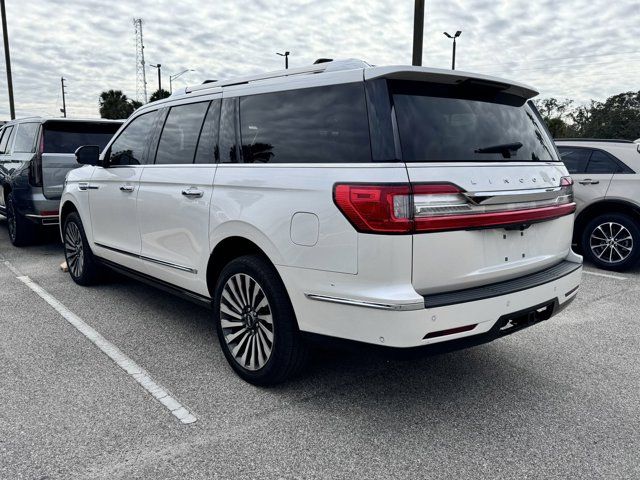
(149, 259)
(400, 307)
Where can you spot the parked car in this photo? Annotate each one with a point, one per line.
(397, 206)
(35, 155)
(607, 192)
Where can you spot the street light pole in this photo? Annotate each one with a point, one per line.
(286, 59)
(64, 102)
(7, 59)
(418, 32)
(159, 67)
(455, 36)
(176, 75)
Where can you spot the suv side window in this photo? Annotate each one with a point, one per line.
(129, 148)
(575, 159)
(326, 124)
(26, 138)
(208, 144)
(7, 136)
(179, 137)
(602, 163)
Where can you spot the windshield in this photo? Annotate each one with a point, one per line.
(66, 137)
(467, 122)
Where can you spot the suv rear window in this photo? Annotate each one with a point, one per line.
(313, 125)
(467, 122)
(66, 137)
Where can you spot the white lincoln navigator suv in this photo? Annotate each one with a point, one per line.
(396, 206)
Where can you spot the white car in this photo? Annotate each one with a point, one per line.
(396, 206)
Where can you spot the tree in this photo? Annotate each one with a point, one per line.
(115, 105)
(159, 95)
(618, 117)
(555, 113)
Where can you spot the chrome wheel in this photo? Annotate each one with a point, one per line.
(611, 242)
(73, 249)
(247, 322)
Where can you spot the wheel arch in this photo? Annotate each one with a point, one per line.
(225, 251)
(604, 207)
(67, 207)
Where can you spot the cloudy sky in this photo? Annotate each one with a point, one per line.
(580, 49)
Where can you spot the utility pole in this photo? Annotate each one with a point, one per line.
(159, 67)
(286, 59)
(418, 32)
(7, 59)
(64, 102)
(455, 36)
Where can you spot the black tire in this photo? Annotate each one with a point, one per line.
(289, 353)
(83, 266)
(22, 232)
(612, 241)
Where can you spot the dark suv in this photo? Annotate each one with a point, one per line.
(35, 156)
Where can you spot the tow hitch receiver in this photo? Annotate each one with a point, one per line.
(518, 320)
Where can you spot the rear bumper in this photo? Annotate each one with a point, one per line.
(34, 206)
(484, 319)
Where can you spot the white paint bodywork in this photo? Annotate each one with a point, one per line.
(287, 210)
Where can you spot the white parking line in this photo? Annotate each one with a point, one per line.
(606, 275)
(113, 352)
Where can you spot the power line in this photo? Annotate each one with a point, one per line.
(564, 66)
(555, 59)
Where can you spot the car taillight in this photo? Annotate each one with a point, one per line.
(417, 208)
(375, 208)
(36, 164)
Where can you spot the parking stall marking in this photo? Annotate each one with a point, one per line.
(114, 353)
(605, 275)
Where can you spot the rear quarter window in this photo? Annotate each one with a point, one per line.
(467, 122)
(66, 137)
(326, 124)
(26, 138)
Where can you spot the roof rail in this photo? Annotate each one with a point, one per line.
(612, 140)
(308, 70)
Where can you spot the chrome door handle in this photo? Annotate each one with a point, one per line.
(193, 193)
(588, 181)
(127, 188)
(87, 186)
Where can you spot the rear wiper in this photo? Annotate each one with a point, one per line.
(505, 149)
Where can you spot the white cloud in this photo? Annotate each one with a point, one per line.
(580, 48)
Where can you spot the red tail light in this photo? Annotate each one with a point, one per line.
(407, 208)
(375, 208)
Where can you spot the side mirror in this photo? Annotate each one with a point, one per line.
(88, 155)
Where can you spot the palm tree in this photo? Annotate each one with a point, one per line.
(115, 105)
(159, 95)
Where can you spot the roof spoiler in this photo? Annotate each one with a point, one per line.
(451, 77)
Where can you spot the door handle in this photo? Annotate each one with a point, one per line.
(588, 181)
(127, 188)
(193, 193)
(87, 186)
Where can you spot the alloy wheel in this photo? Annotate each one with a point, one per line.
(611, 242)
(247, 322)
(74, 250)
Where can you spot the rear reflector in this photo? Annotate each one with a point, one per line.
(451, 331)
(416, 208)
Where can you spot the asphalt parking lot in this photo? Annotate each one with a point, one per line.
(559, 400)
